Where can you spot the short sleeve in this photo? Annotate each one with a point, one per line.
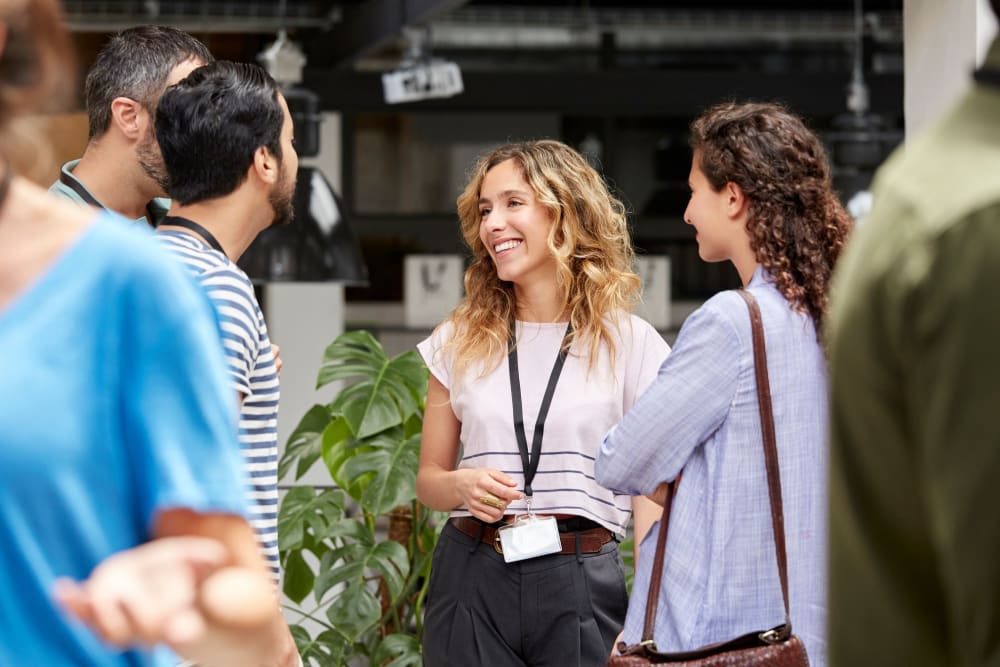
(431, 349)
(681, 409)
(647, 352)
(179, 421)
(238, 320)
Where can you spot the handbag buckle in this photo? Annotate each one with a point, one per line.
(772, 636)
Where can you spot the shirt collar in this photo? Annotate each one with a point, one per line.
(155, 210)
(760, 277)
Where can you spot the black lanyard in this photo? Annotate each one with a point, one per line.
(210, 239)
(153, 214)
(530, 466)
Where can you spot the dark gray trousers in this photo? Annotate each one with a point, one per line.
(561, 610)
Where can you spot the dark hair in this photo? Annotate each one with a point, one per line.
(210, 125)
(796, 223)
(136, 64)
(36, 61)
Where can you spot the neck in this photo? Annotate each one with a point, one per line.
(746, 264)
(742, 255)
(116, 180)
(233, 222)
(539, 302)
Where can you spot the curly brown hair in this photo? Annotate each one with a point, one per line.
(588, 237)
(796, 222)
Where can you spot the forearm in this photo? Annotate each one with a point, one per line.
(485, 492)
(270, 645)
(645, 512)
(437, 488)
(241, 603)
(629, 462)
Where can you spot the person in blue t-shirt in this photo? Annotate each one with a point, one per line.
(121, 504)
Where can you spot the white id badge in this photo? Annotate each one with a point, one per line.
(530, 536)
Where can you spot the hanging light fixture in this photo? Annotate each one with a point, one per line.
(859, 142)
(319, 244)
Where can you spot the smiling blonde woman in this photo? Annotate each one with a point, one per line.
(538, 361)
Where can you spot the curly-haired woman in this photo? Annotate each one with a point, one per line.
(527, 375)
(761, 198)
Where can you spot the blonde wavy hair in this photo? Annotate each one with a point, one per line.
(588, 238)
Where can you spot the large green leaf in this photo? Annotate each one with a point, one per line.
(352, 354)
(337, 451)
(298, 577)
(356, 529)
(392, 463)
(402, 650)
(354, 611)
(372, 409)
(383, 393)
(305, 442)
(304, 509)
(354, 562)
(327, 649)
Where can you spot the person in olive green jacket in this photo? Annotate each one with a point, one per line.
(914, 340)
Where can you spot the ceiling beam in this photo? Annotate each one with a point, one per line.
(677, 93)
(366, 25)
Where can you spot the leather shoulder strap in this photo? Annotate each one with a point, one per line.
(773, 480)
(770, 444)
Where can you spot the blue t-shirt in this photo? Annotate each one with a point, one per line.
(114, 406)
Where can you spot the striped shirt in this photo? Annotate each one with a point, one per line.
(584, 406)
(252, 373)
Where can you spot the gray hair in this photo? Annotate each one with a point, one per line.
(136, 64)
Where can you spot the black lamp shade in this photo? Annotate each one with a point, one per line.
(317, 246)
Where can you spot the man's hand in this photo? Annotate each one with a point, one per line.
(278, 363)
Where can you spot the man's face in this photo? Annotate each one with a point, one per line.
(148, 151)
(283, 191)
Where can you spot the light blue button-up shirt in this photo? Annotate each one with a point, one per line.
(701, 416)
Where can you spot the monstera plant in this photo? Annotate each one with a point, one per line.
(356, 556)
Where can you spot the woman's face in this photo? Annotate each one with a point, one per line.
(707, 211)
(514, 226)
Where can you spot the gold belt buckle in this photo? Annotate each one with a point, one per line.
(497, 546)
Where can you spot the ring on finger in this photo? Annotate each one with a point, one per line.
(492, 501)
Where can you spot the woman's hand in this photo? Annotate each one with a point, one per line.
(486, 492)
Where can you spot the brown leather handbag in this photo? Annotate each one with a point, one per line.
(776, 647)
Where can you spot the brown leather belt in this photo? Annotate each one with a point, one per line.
(591, 540)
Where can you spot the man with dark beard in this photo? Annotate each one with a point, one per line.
(121, 168)
(227, 143)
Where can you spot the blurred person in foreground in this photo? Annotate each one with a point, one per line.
(122, 169)
(120, 492)
(915, 372)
